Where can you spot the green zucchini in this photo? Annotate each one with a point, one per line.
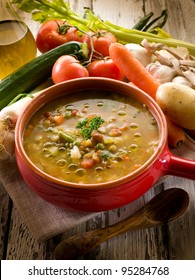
(37, 71)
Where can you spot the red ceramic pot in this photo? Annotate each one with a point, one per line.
(109, 195)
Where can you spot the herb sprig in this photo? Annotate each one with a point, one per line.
(87, 126)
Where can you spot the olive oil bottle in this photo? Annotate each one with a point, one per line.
(17, 44)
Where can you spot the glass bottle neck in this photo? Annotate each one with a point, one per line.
(7, 11)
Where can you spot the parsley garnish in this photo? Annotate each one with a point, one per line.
(82, 123)
(87, 126)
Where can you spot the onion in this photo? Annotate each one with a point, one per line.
(8, 118)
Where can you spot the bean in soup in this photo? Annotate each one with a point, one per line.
(91, 137)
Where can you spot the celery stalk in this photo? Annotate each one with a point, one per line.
(42, 10)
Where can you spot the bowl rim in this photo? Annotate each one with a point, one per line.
(97, 82)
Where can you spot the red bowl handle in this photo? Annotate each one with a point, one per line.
(177, 166)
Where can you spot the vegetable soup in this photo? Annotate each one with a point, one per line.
(91, 137)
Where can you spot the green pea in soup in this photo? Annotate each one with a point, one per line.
(91, 140)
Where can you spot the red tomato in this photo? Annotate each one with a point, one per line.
(105, 68)
(101, 42)
(84, 38)
(66, 68)
(53, 33)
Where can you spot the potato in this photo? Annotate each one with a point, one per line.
(178, 103)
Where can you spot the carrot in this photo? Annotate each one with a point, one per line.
(58, 119)
(90, 117)
(133, 70)
(87, 163)
(137, 74)
(176, 135)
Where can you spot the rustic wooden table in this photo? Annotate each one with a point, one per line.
(174, 241)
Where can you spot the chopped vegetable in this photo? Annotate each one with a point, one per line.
(43, 10)
(75, 152)
(105, 155)
(87, 163)
(66, 137)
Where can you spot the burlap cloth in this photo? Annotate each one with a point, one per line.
(42, 218)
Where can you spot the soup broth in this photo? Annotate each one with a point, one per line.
(91, 137)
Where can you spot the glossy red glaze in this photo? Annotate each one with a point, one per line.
(104, 196)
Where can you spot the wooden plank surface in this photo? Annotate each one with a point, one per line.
(176, 241)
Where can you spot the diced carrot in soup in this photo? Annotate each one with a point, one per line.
(87, 163)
